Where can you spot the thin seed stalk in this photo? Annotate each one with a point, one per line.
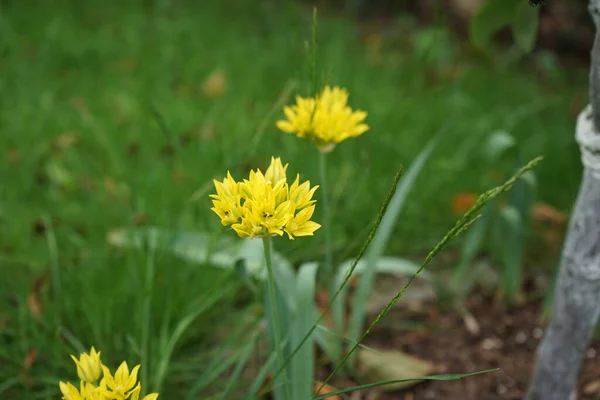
(314, 80)
(461, 225)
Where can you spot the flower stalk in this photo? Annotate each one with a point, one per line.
(328, 270)
(276, 327)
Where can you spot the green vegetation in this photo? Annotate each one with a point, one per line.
(105, 124)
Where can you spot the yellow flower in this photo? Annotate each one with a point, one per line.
(227, 200)
(87, 391)
(301, 195)
(91, 392)
(135, 395)
(89, 366)
(301, 225)
(264, 218)
(122, 384)
(299, 117)
(327, 119)
(266, 208)
(265, 205)
(276, 171)
(69, 391)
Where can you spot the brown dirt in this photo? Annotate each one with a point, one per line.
(507, 340)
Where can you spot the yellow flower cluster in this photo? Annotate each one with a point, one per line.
(265, 204)
(120, 386)
(326, 119)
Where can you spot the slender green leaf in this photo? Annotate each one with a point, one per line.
(227, 356)
(166, 352)
(509, 238)
(446, 377)
(261, 376)
(234, 378)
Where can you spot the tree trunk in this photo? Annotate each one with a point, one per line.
(577, 299)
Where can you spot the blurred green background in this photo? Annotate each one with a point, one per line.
(117, 114)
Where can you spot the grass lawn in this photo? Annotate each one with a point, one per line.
(104, 123)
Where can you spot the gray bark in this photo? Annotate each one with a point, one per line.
(577, 299)
(595, 79)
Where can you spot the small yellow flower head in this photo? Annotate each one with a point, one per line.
(227, 200)
(90, 392)
(135, 395)
(87, 391)
(89, 366)
(122, 384)
(69, 391)
(265, 205)
(302, 194)
(327, 120)
(300, 224)
(276, 171)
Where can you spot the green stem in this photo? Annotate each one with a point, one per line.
(274, 308)
(328, 270)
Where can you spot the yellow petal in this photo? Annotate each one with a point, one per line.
(132, 378)
(69, 391)
(122, 373)
(135, 393)
(108, 378)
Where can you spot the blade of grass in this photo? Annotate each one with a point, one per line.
(446, 377)
(222, 362)
(509, 239)
(167, 351)
(235, 374)
(261, 376)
